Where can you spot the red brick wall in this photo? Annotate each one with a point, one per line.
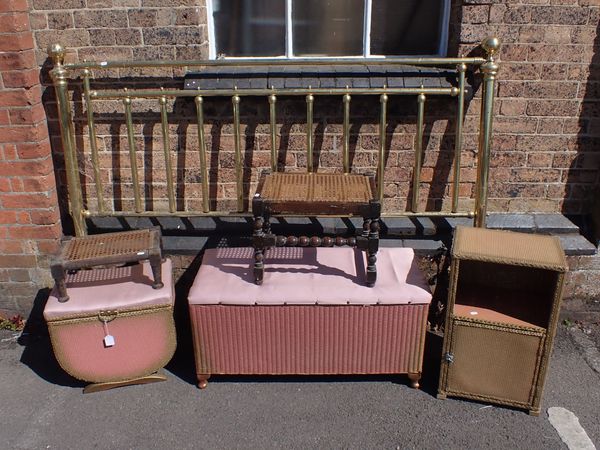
(29, 219)
(545, 151)
(546, 147)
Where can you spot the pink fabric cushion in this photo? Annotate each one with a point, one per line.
(114, 288)
(324, 276)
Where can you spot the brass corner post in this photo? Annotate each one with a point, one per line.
(346, 155)
(310, 100)
(202, 151)
(383, 99)
(239, 174)
(273, 121)
(460, 113)
(59, 78)
(164, 119)
(489, 70)
(418, 152)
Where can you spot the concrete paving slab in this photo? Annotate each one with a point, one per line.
(44, 408)
(576, 245)
(515, 222)
(554, 223)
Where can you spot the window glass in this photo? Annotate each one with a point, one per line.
(328, 27)
(249, 27)
(259, 28)
(406, 27)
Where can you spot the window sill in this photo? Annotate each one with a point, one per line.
(351, 76)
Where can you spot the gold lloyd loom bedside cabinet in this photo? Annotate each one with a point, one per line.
(503, 303)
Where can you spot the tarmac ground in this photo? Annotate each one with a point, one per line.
(44, 408)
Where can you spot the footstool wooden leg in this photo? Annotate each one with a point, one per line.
(156, 265)
(258, 242)
(203, 380)
(414, 379)
(58, 273)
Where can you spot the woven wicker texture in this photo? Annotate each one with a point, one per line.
(494, 364)
(106, 245)
(304, 187)
(308, 339)
(507, 247)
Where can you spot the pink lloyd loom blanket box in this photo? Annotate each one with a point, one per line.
(115, 329)
(313, 313)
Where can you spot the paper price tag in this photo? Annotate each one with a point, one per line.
(109, 341)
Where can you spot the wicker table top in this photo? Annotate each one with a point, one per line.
(507, 247)
(316, 193)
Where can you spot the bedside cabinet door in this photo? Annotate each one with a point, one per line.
(493, 363)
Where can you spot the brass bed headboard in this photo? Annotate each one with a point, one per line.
(80, 74)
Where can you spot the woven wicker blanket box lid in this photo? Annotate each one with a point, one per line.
(295, 276)
(115, 301)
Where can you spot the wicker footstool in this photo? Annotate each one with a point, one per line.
(315, 194)
(107, 249)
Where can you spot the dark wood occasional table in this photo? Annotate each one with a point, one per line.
(316, 194)
(108, 249)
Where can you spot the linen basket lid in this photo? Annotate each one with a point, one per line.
(509, 247)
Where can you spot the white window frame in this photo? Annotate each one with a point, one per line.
(289, 39)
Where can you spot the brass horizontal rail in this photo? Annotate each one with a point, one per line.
(151, 93)
(183, 214)
(274, 62)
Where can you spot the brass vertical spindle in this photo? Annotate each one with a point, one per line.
(346, 159)
(383, 99)
(132, 156)
(418, 153)
(272, 101)
(202, 152)
(310, 99)
(490, 70)
(93, 143)
(235, 100)
(461, 69)
(168, 166)
(59, 78)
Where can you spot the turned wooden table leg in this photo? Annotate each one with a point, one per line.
(258, 241)
(372, 248)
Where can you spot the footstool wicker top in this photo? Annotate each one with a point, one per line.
(109, 248)
(319, 193)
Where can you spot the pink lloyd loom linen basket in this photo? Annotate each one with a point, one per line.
(115, 329)
(312, 315)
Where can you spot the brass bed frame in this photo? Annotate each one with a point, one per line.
(82, 73)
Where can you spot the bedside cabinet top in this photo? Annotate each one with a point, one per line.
(509, 247)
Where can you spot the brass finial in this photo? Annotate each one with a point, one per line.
(491, 45)
(57, 53)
